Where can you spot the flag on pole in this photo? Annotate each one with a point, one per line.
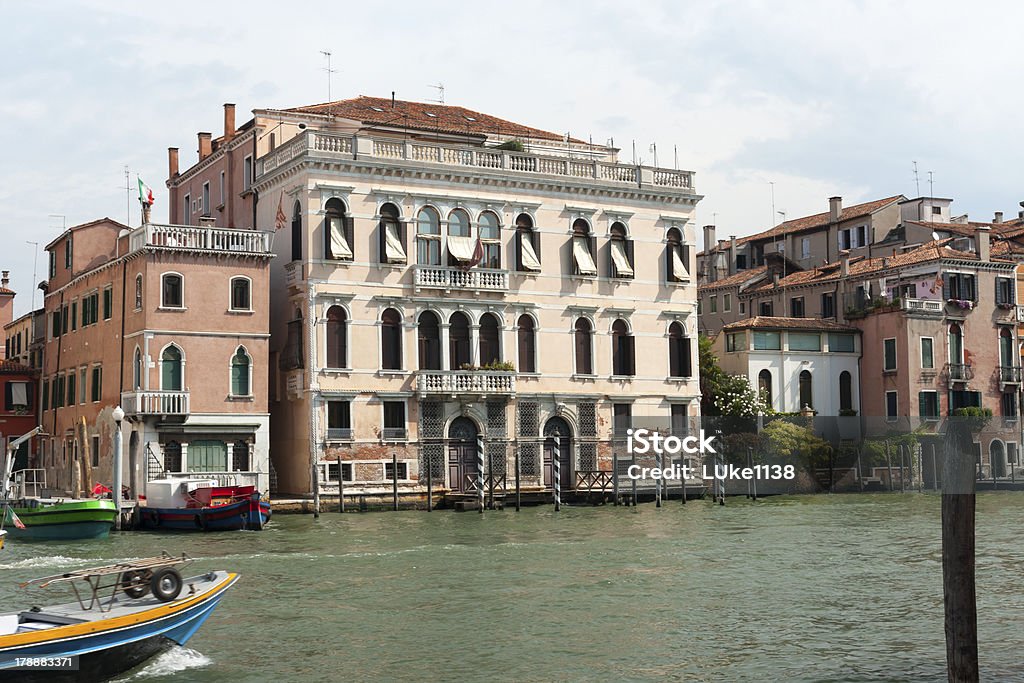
(280, 220)
(14, 518)
(145, 193)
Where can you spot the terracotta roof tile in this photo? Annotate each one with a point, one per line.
(762, 322)
(737, 278)
(821, 219)
(427, 116)
(10, 367)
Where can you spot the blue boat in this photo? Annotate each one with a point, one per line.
(196, 504)
(125, 614)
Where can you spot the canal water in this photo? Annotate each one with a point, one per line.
(813, 588)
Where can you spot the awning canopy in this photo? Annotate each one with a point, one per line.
(619, 259)
(527, 256)
(581, 253)
(393, 249)
(461, 248)
(679, 271)
(339, 244)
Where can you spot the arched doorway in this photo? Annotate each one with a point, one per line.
(557, 427)
(462, 469)
(997, 458)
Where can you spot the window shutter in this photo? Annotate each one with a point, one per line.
(629, 256)
(969, 287)
(669, 272)
(947, 287)
(922, 404)
(382, 254)
(8, 397)
(592, 243)
(630, 359)
(687, 364)
(1000, 299)
(535, 241)
(350, 233)
(519, 250)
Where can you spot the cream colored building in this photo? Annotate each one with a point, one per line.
(442, 274)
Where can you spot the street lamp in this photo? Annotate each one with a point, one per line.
(118, 416)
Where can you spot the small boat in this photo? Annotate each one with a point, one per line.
(3, 534)
(125, 613)
(195, 504)
(47, 519)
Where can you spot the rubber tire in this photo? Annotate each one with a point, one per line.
(134, 584)
(153, 518)
(165, 584)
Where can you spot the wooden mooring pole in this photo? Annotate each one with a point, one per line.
(518, 473)
(556, 474)
(394, 480)
(480, 471)
(615, 478)
(657, 482)
(958, 556)
(341, 487)
(430, 483)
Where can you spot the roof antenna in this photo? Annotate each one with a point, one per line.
(440, 92)
(931, 185)
(392, 99)
(917, 181)
(329, 71)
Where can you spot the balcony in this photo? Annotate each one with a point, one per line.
(930, 306)
(332, 145)
(155, 403)
(959, 372)
(339, 434)
(1009, 374)
(474, 279)
(294, 275)
(199, 239)
(453, 382)
(393, 434)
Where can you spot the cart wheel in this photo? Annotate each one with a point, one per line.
(134, 584)
(165, 584)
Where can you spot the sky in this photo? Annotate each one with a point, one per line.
(803, 100)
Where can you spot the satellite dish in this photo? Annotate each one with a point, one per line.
(936, 236)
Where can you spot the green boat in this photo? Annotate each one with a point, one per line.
(50, 519)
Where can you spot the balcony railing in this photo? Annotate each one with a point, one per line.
(481, 279)
(1009, 374)
(294, 274)
(155, 402)
(960, 372)
(203, 238)
(330, 144)
(339, 434)
(924, 306)
(465, 382)
(393, 433)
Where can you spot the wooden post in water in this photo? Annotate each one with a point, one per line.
(394, 480)
(658, 480)
(518, 471)
(920, 468)
(634, 482)
(958, 554)
(556, 471)
(750, 463)
(615, 478)
(480, 471)
(490, 477)
(935, 471)
(341, 486)
(903, 469)
(888, 464)
(430, 483)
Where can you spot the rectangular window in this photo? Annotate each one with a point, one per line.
(936, 210)
(736, 341)
(959, 286)
(805, 248)
(828, 305)
(1004, 292)
(222, 199)
(17, 396)
(394, 420)
(64, 319)
(889, 354)
(862, 235)
(186, 217)
(46, 394)
(74, 316)
(247, 173)
(339, 420)
(71, 389)
(804, 341)
(796, 307)
(767, 341)
(1009, 405)
(68, 251)
(927, 353)
(713, 304)
(766, 308)
(206, 198)
(891, 406)
(83, 376)
(108, 303)
(840, 343)
(53, 264)
(743, 307)
(97, 383)
(844, 239)
(332, 471)
(622, 418)
(389, 471)
(680, 419)
(95, 451)
(929, 404)
(727, 303)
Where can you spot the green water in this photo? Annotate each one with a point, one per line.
(818, 588)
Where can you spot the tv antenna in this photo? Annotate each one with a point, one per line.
(35, 262)
(439, 87)
(917, 181)
(931, 185)
(329, 71)
(128, 198)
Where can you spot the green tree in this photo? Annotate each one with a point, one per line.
(723, 393)
(793, 443)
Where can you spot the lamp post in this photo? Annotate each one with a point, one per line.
(118, 416)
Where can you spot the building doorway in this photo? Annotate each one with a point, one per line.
(558, 429)
(462, 464)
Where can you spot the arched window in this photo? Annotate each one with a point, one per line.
(584, 248)
(845, 391)
(584, 338)
(337, 231)
(623, 353)
(137, 369)
(764, 387)
(138, 291)
(527, 344)
(956, 345)
(428, 329)
(240, 377)
(172, 456)
(170, 369)
(997, 458)
(806, 392)
(459, 350)
(240, 456)
(297, 232)
(392, 235)
(241, 294)
(679, 363)
(461, 247)
(1006, 355)
(428, 237)
(172, 291)
(337, 337)
(458, 223)
(527, 245)
(490, 238)
(391, 339)
(490, 351)
(291, 357)
(677, 257)
(621, 252)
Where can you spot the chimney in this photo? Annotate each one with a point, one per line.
(775, 278)
(709, 237)
(983, 244)
(835, 208)
(998, 218)
(6, 279)
(205, 146)
(732, 254)
(207, 222)
(844, 264)
(229, 121)
(172, 162)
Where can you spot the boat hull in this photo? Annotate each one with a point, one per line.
(109, 646)
(251, 513)
(73, 520)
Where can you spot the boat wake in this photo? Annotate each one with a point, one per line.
(173, 661)
(58, 561)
